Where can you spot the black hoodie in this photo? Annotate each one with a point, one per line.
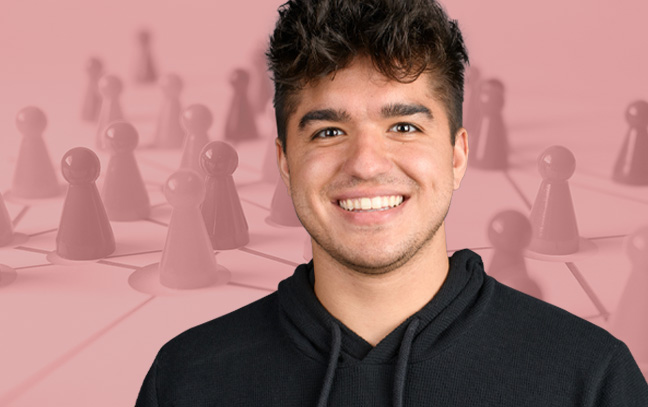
(476, 343)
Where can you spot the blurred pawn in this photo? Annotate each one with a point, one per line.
(145, 71)
(110, 88)
(6, 227)
(282, 211)
(34, 175)
(169, 132)
(270, 169)
(188, 260)
(221, 209)
(84, 232)
(510, 233)
(490, 144)
(472, 108)
(92, 99)
(240, 123)
(631, 166)
(629, 320)
(261, 85)
(196, 120)
(124, 194)
(553, 219)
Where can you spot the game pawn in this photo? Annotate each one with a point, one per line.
(92, 100)
(221, 209)
(124, 194)
(282, 211)
(240, 123)
(169, 132)
(196, 120)
(490, 145)
(188, 260)
(631, 166)
(110, 88)
(629, 320)
(555, 231)
(145, 71)
(34, 175)
(84, 232)
(6, 226)
(472, 109)
(510, 233)
(261, 83)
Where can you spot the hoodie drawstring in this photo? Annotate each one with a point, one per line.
(336, 345)
(401, 365)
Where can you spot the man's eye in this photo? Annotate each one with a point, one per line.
(328, 132)
(404, 128)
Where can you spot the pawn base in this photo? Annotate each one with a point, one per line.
(147, 280)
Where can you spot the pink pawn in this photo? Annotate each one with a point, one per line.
(221, 209)
(555, 230)
(92, 99)
(124, 194)
(510, 233)
(169, 132)
(34, 176)
(6, 227)
(145, 71)
(472, 108)
(84, 231)
(110, 88)
(188, 259)
(631, 166)
(629, 320)
(196, 119)
(282, 211)
(240, 123)
(490, 145)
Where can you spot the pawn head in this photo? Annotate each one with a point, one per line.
(491, 96)
(218, 159)
(239, 78)
(510, 231)
(94, 67)
(171, 84)
(197, 119)
(31, 120)
(121, 136)
(144, 36)
(184, 188)
(80, 166)
(637, 114)
(556, 163)
(637, 248)
(110, 86)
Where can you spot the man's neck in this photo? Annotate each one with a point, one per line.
(374, 305)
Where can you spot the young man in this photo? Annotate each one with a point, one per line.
(368, 96)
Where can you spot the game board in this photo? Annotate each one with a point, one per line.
(85, 333)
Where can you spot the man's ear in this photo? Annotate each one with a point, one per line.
(460, 156)
(283, 163)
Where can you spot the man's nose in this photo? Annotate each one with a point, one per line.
(367, 155)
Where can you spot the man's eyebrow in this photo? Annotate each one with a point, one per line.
(328, 115)
(400, 109)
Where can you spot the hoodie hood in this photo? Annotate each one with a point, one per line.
(319, 335)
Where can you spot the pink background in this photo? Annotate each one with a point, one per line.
(570, 69)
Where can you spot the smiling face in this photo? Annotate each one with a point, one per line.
(371, 168)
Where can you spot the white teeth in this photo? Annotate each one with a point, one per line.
(371, 204)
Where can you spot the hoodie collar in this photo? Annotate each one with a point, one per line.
(311, 326)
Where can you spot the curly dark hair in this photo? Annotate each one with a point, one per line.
(403, 38)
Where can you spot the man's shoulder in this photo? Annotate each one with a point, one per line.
(254, 325)
(534, 322)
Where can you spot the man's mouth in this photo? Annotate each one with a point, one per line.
(371, 204)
